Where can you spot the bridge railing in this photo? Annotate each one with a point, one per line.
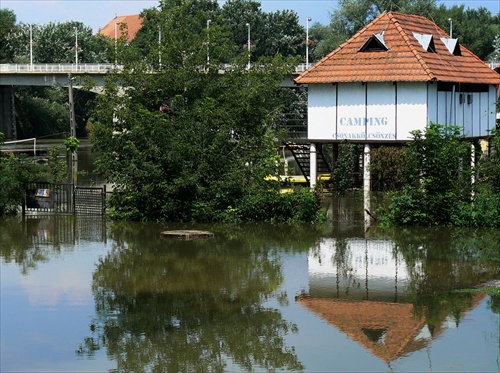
(59, 68)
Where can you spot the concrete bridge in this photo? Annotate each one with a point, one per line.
(58, 75)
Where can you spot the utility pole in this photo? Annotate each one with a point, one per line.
(72, 126)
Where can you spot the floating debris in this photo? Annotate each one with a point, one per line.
(187, 234)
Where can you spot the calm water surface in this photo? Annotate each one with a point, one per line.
(84, 295)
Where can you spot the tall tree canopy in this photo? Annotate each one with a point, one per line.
(7, 23)
(188, 142)
(56, 43)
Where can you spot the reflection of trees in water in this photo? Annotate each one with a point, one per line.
(22, 241)
(29, 240)
(442, 260)
(191, 305)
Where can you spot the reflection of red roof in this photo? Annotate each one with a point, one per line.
(400, 47)
(133, 24)
(389, 330)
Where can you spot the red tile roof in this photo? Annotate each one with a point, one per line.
(133, 24)
(404, 60)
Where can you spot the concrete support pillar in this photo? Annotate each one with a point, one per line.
(7, 113)
(366, 185)
(473, 162)
(313, 165)
(366, 168)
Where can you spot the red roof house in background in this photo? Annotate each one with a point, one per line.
(128, 25)
(396, 75)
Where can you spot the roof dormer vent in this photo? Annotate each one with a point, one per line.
(375, 43)
(452, 45)
(426, 41)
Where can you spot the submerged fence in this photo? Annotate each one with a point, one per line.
(62, 198)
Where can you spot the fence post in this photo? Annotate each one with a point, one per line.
(73, 199)
(103, 200)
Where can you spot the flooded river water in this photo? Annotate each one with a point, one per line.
(86, 295)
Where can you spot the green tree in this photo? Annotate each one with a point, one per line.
(474, 28)
(15, 173)
(188, 143)
(437, 176)
(270, 33)
(343, 177)
(7, 24)
(56, 43)
(495, 55)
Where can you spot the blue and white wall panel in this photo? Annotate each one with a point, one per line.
(381, 111)
(387, 111)
(321, 111)
(351, 112)
(411, 108)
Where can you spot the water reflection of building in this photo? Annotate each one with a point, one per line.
(362, 288)
(357, 269)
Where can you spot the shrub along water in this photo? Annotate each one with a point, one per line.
(438, 182)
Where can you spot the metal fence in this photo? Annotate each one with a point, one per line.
(60, 198)
(89, 201)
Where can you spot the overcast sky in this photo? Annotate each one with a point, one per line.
(97, 13)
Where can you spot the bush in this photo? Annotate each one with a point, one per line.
(438, 178)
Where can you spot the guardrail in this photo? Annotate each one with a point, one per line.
(98, 68)
(494, 65)
(101, 68)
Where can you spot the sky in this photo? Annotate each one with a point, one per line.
(97, 13)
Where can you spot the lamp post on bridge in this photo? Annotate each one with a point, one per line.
(248, 44)
(309, 19)
(159, 47)
(116, 38)
(76, 48)
(208, 42)
(31, 46)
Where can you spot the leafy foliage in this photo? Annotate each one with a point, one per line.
(7, 22)
(387, 166)
(438, 187)
(15, 173)
(189, 143)
(343, 172)
(56, 43)
(475, 28)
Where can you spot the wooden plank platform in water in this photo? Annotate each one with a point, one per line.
(186, 234)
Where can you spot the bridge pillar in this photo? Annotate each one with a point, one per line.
(366, 184)
(313, 175)
(7, 112)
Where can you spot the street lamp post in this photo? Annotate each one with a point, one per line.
(116, 38)
(76, 48)
(309, 19)
(248, 44)
(208, 42)
(159, 47)
(451, 28)
(31, 46)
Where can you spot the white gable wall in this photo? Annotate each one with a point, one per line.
(386, 111)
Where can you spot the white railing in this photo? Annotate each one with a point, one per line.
(102, 68)
(494, 65)
(96, 68)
